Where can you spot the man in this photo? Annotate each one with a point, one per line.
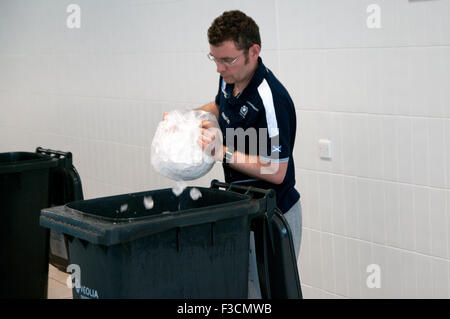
(252, 105)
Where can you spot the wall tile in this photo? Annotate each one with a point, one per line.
(409, 275)
(424, 274)
(393, 213)
(436, 146)
(407, 220)
(375, 147)
(351, 195)
(336, 142)
(420, 151)
(340, 258)
(446, 171)
(438, 223)
(440, 271)
(301, 177)
(421, 208)
(405, 150)
(365, 229)
(447, 213)
(392, 274)
(377, 212)
(315, 253)
(305, 268)
(354, 269)
(338, 207)
(325, 204)
(389, 142)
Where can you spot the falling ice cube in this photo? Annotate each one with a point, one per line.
(148, 202)
(195, 193)
(178, 188)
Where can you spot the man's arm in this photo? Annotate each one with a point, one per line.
(210, 107)
(273, 172)
(251, 165)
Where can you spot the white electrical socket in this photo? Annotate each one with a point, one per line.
(325, 149)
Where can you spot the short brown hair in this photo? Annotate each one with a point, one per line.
(237, 26)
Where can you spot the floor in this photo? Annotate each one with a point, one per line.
(57, 287)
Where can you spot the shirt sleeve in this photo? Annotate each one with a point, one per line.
(278, 136)
(280, 114)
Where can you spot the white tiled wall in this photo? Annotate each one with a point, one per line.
(379, 95)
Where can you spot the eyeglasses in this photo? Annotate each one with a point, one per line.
(226, 62)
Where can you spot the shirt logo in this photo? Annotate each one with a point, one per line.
(244, 110)
(276, 149)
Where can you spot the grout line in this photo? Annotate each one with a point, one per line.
(181, 52)
(94, 179)
(372, 114)
(324, 290)
(373, 179)
(375, 244)
(419, 46)
(95, 97)
(81, 139)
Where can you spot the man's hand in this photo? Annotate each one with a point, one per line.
(210, 140)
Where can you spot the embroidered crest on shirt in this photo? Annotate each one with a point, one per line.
(244, 110)
(276, 148)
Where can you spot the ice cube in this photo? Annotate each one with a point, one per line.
(178, 188)
(148, 202)
(195, 193)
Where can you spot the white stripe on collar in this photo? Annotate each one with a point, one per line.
(224, 91)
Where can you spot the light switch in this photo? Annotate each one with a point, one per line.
(325, 149)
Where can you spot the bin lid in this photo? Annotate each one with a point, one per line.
(16, 162)
(123, 218)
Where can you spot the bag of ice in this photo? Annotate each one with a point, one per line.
(175, 152)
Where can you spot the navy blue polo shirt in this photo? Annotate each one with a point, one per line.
(263, 108)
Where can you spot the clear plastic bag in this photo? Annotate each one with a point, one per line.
(175, 152)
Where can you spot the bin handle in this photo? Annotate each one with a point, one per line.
(246, 192)
(269, 194)
(50, 152)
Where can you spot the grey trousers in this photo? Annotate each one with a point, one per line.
(294, 218)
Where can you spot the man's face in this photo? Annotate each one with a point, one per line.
(237, 72)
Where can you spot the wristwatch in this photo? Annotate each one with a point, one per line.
(229, 154)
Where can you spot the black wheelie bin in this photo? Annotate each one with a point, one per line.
(120, 247)
(29, 182)
(178, 248)
(65, 186)
(275, 255)
(24, 191)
